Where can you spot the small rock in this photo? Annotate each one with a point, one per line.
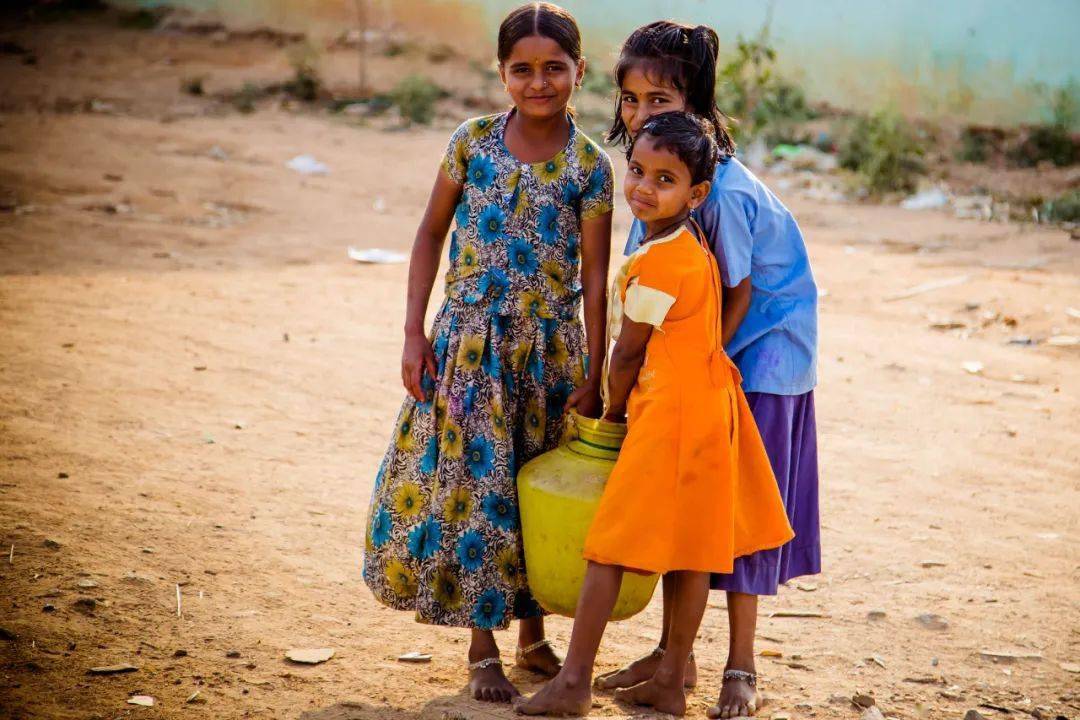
(49, 607)
(62, 475)
(6, 634)
(973, 367)
(148, 550)
(143, 700)
(51, 544)
(931, 621)
(113, 177)
(1063, 340)
(233, 654)
(931, 564)
(804, 707)
(771, 654)
(87, 583)
(781, 716)
(877, 660)
(974, 715)
(310, 656)
(875, 615)
(952, 693)
(195, 699)
(112, 669)
(863, 700)
(180, 654)
(872, 713)
(1070, 667)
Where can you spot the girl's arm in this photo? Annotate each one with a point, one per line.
(417, 356)
(626, 359)
(595, 255)
(736, 305)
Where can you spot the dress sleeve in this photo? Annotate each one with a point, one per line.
(652, 286)
(456, 160)
(597, 197)
(726, 218)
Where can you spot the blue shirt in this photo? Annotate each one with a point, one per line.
(753, 234)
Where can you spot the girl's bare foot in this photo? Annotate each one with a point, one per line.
(738, 697)
(670, 699)
(562, 697)
(488, 683)
(641, 670)
(539, 657)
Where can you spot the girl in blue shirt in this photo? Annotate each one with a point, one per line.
(769, 330)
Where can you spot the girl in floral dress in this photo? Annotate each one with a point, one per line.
(530, 196)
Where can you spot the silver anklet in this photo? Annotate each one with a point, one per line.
(523, 651)
(485, 663)
(747, 677)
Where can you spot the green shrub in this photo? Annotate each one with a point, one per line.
(749, 90)
(248, 95)
(1063, 209)
(1045, 142)
(885, 151)
(415, 96)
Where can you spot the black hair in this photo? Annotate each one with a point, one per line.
(687, 136)
(683, 57)
(544, 19)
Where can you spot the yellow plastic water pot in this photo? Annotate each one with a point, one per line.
(558, 493)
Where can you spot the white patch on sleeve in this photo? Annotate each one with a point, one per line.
(646, 305)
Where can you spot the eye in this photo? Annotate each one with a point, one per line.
(664, 178)
(636, 170)
(629, 99)
(659, 101)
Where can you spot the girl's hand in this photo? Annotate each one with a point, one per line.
(616, 416)
(586, 400)
(416, 358)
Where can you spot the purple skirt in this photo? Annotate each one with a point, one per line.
(789, 431)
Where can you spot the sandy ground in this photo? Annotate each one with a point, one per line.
(196, 387)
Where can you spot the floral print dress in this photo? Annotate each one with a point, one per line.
(443, 536)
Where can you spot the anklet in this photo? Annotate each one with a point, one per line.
(748, 677)
(523, 651)
(485, 663)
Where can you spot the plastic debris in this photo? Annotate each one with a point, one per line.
(307, 165)
(310, 657)
(973, 367)
(414, 657)
(376, 256)
(932, 199)
(1063, 340)
(143, 700)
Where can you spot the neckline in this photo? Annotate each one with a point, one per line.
(566, 148)
(675, 234)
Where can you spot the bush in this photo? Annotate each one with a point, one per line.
(749, 91)
(1046, 142)
(415, 96)
(245, 99)
(1063, 209)
(885, 151)
(306, 83)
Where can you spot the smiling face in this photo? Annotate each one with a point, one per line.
(640, 98)
(540, 76)
(658, 186)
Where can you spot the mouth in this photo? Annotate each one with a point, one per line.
(641, 205)
(540, 98)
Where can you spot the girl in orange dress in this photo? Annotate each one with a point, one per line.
(693, 488)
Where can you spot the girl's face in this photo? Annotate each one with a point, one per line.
(540, 76)
(640, 98)
(658, 184)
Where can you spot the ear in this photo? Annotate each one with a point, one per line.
(580, 76)
(698, 194)
(502, 74)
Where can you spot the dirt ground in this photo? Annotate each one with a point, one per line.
(196, 386)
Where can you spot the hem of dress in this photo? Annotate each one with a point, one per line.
(768, 577)
(794, 391)
(655, 570)
(407, 606)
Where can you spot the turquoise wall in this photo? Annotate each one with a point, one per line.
(977, 60)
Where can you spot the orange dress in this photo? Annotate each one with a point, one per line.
(692, 488)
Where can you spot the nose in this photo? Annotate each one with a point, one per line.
(539, 81)
(639, 119)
